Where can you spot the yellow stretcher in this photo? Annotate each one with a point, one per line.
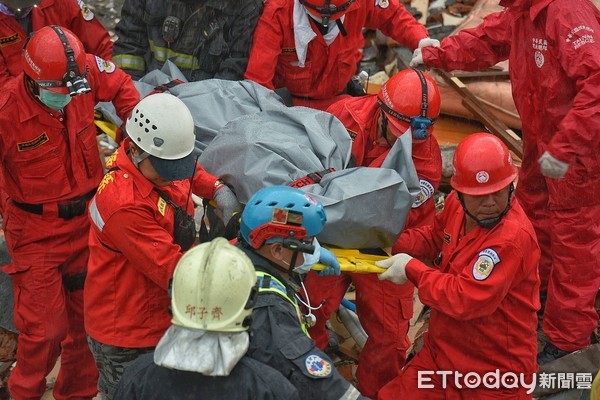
(105, 126)
(357, 261)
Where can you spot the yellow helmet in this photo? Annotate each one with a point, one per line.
(214, 288)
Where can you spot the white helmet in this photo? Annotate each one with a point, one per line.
(162, 126)
(214, 288)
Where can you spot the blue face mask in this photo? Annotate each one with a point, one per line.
(55, 101)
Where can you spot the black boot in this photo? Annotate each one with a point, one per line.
(550, 353)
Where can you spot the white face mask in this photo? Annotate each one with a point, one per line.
(310, 260)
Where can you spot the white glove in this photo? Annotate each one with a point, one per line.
(417, 59)
(396, 268)
(551, 167)
(428, 42)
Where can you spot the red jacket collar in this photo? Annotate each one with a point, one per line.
(534, 7)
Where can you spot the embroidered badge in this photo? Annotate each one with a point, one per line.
(485, 264)
(109, 67)
(105, 66)
(87, 14)
(111, 160)
(425, 194)
(317, 366)
(106, 179)
(162, 206)
(33, 144)
(382, 3)
(8, 40)
(580, 35)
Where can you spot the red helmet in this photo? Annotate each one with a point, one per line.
(482, 165)
(411, 98)
(328, 9)
(55, 59)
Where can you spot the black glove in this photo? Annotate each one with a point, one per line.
(355, 89)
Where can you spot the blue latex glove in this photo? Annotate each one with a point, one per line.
(329, 259)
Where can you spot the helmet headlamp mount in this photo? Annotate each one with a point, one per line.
(75, 81)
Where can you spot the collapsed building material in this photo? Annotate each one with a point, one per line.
(494, 125)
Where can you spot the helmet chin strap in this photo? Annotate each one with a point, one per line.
(384, 127)
(488, 223)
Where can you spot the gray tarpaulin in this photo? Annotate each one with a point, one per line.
(251, 140)
(366, 207)
(213, 102)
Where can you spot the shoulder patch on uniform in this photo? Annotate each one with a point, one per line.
(483, 267)
(382, 3)
(33, 144)
(87, 14)
(317, 366)
(8, 40)
(105, 66)
(425, 194)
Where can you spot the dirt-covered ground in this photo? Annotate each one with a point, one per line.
(108, 12)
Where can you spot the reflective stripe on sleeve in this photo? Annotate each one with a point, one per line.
(95, 215)
(126, 61)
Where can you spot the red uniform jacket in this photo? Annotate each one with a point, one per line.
(554, 51)
(273, 61)
(66, 13)
(483, 293)
(47, 156)
(132, 254)
(359, 116)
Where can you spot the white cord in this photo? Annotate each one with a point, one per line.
(307, 305)
(309, 319)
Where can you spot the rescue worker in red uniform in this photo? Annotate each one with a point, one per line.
(142, 222)
(312, 47)
(483, 289)
(18, 18)
(554, 52)
(50, 170)
(384, 309)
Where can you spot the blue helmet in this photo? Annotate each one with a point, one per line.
(281, 212)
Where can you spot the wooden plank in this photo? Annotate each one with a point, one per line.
(480, 74)
(494, 125)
